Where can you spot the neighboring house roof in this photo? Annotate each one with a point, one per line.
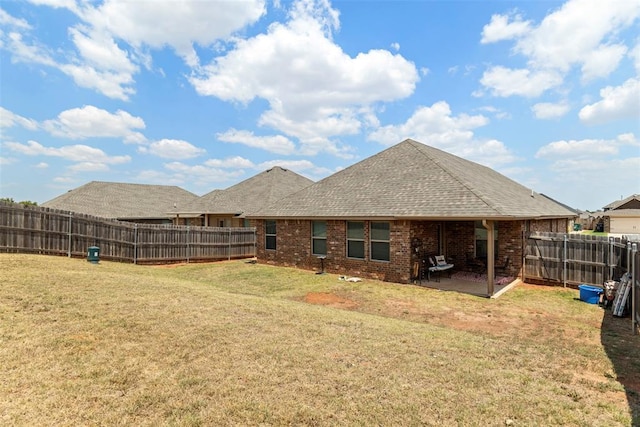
(249, 195)
(576, 211)
(122, 201)
(631, 202)
(414, 181)
(622, 213)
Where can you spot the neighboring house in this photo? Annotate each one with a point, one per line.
(621, 217)
(126, 202)
(229, 208)
(378, 217)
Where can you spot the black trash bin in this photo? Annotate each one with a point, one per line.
(93, 254)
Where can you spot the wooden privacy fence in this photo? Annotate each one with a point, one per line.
(575, 258)
(29, 229)
(578, 258)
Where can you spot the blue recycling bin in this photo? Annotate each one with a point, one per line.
(93, 254)
(590, 294)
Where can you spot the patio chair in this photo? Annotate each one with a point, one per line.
(503, 268)
(438, 265)
(475, 264)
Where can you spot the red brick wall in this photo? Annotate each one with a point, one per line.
(293, 249)
(293, 246)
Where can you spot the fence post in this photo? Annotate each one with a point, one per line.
(70, 232)
(135, 243)
(564, 262)
(634, 285)
(610, 260)
(188, 246)
(229, 244)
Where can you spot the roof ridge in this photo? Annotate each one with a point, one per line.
(455, 178)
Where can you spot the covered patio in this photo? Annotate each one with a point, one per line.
(469, 283)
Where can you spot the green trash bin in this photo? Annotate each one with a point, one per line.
(93, 254)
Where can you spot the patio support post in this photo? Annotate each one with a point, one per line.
(489, 225)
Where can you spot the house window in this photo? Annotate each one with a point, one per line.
(270, 234)
(380, 236)
(319, 237)
(481, 239)
(355, 239)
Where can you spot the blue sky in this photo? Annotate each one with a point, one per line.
(205, 94)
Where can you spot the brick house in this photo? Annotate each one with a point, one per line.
(229, 207)
(622, 216)
(378, 217)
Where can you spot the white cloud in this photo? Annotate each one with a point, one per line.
(395, 46)
(437, 127)
(201, 174)
(275, 144)
(501, 29)
(93, 122)
(22, 51)
(42, 165)
(634, 54)
(567, 151)
(498, 113)
(550, 110)
(10, 21)
(581, 33)
(617, 103)
(314, 89)
(74, 153)
(4, 161)
(100, 64)
(236, 162)
(570, 34)
(88, 167)
(172, 149)
(602, 61)
(506, 82)
(111, 84)
(99, 50)
(433, 125)
(9, 119)
(178, 25)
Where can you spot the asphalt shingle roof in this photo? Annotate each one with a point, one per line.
(123, 201)
(251, 194)
(413, 180)
(618, 203)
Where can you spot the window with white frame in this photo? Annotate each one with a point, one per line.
(270, 234)
(380, 237)
(319, 237)
(355, 239)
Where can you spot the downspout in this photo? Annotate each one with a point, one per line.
(490, 256)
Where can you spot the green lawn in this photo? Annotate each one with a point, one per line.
(233, 343)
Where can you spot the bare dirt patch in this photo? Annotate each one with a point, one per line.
(329, 299)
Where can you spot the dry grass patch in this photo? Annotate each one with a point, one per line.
(233, 343)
